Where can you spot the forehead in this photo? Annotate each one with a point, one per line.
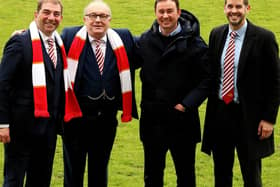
(166, 5)
(98, 8)
(51, 6)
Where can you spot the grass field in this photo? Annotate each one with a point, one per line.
(126, 165)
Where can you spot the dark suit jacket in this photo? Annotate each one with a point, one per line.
(173, 70)
(95, 84)
(257, 84)
(16, 89)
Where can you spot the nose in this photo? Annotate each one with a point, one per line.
(165, 14)
(51, 16)
(97, 18)
(234, 9)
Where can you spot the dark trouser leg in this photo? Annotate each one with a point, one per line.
(152, 134)
(223, 164)
(228, 133)
(182, 145)
(32, 156)
(41, 164)
(16, 162)
(155, 155)
(100, 143)
(39, 171)
(74, 155)
(74, 166)
(184, 161)
(250, 169)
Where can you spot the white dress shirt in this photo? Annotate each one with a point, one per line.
(102, 45)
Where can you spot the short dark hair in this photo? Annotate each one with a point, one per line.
(246, 2)
(41, 2)
(176, 2)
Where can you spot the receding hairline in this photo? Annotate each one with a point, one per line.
(94, 3)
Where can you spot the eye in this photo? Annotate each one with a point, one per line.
(229, 6)
(57, 14)
(92, 15)
(103, 16)
(46, 12)
(169, 11)
(161, 11)
(239, 6)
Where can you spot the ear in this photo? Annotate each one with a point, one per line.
(248, 8)
(35, 14)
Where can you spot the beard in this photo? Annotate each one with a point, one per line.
(236, 22)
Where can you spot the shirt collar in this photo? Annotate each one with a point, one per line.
(91, 39)
(45, 37)
(176, 31)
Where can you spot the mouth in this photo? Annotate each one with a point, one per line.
(98, 27)
(50, 24)
(165, 22)
(234, 17)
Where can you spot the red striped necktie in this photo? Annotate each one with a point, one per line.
(99, 55)
(228, 80)
(51, 51)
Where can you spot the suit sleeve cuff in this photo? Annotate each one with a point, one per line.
(4, 126)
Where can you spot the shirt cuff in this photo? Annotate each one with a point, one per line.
(4, 126)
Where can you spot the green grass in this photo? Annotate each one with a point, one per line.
(126, 165)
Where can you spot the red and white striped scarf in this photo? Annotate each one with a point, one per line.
(122, 63)
(72, 108)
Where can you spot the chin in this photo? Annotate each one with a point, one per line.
(235, 23)
(98, 32)
(50, 29)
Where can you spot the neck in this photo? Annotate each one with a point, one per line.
(167, 32)
(237, 27)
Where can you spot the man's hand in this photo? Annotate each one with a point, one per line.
(5, 135)
(180, 107)
(265, 129)
(18, 32)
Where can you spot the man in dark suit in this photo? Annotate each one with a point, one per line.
(32, 98)
(175, 82)
(243, 104)
(103, 84)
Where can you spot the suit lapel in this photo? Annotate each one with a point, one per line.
(87, 57)
(218, 45)
(248, 43)
(59, 65)
(222, 40)
(91, 58)
(109, 55)
(47, 61)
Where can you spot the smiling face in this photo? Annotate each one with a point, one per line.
(236, 11)
(97, 19)
(48, 17)
(167, 14)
